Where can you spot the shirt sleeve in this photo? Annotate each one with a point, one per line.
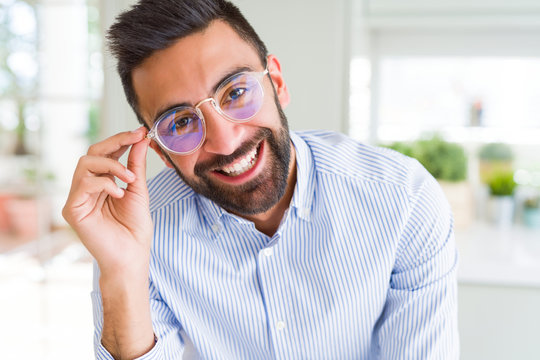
(419, 320)
(169, 342)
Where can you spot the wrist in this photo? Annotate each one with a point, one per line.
(127, 325)
(125, 269)
(119, 280)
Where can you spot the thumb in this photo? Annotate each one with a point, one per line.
(137, 164)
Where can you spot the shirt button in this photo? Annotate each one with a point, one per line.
(216, 228)
(280, 325)
(268, 252)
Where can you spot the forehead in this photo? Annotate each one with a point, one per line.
(187, 71)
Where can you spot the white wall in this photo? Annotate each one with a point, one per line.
(311, 38)
(116, 114)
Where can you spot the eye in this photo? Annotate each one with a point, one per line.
(234, 94)
(181, 123)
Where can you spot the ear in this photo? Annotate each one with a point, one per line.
(274, 69)
(159, 151)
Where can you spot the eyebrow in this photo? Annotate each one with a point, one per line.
(229, 74)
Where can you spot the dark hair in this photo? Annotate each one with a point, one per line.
(152, 25)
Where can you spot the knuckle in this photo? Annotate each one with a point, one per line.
(66, 214)
(82, 161)
(112, 164)
(91, 149)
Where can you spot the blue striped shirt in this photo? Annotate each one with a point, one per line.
(363, 265)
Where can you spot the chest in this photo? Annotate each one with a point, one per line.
(307, 291)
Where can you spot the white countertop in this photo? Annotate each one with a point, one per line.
(499, 256)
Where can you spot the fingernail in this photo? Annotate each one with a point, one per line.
(137, 129)
(130, 174)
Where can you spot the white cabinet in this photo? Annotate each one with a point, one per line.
(452, 13)
(499, 292)
(426, 7)
(498, 322)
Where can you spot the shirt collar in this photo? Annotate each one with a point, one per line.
(304, 190)
(210, 210)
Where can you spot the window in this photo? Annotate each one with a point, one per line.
(50, 93)
(468, 70)
(451, 94)
(50, 90)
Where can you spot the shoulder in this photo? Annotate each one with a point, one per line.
(166, 188)
(336, 154)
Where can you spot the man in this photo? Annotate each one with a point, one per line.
(256, 243)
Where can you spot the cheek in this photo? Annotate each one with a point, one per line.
(185, 164)
(268, 116)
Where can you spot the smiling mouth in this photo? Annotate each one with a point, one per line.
(241, 165)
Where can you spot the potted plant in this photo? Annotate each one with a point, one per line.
(531, 212)
(494, 157)
(27, 214)
(501, 187)
(444, 160)
(447, 162)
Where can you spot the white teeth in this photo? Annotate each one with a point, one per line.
(241, 166)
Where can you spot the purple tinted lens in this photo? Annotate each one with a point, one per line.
(180, 130)
(242, 97)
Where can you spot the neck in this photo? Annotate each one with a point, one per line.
(268, 222)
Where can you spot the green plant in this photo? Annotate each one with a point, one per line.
(502, 183)
(92, 134)
(444, 160)
(496, 152)
(402, 147)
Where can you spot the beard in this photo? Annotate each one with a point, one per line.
(258, 195)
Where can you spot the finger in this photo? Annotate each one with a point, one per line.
(137, 164)
(98, 184)
(96, 165)
(115, 146)
(85, 193)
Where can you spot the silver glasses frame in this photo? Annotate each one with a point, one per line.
(153, 134)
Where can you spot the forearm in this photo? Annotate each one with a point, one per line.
(127, 323)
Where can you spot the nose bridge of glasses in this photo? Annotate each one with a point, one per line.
(200, 103)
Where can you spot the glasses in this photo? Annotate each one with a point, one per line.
(182, 130)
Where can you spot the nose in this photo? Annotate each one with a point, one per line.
(222, 135)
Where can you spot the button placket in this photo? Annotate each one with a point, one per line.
(268, 252)
(216, 228)
(269, 264)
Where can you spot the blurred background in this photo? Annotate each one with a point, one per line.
(453, 83)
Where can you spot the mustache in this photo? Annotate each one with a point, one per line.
(219, 161)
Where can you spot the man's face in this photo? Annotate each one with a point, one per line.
(244, 167)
